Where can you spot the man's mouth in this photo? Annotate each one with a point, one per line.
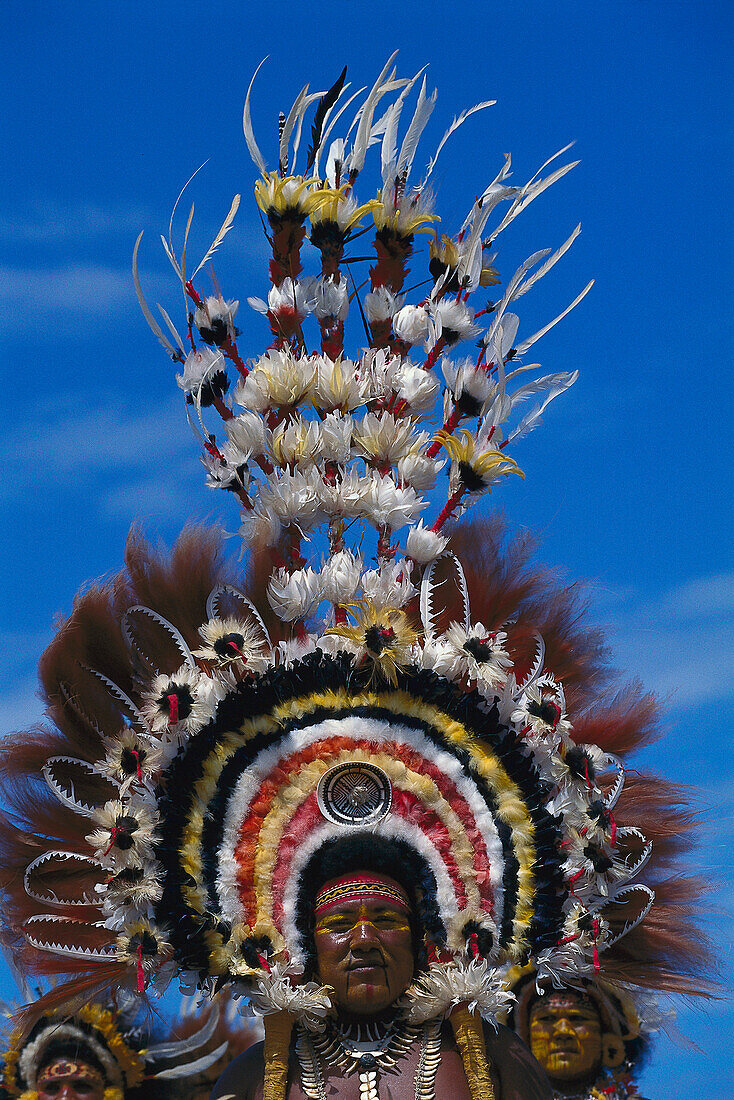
(366, 966)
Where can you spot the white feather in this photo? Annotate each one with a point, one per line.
(528, 194)
(153, 324)
(296, 110)
(226, 226)
(532, 419)
(490, 191)
(459, 120)
(172, 328)
(247, 125)
(191, 1042)
(388, 125)
(197, 1066)
(361, 138)
(523, 346)
(423, 110)
(299, 125)
(545, 268)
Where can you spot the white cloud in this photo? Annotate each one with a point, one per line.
(49, 221)
(102, 437)
(151, 496)
(121, 461)
(76, 289)
(713, 595)
(680, 643)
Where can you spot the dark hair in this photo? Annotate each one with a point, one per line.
(364, 852)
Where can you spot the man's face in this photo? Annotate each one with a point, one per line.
(565, 1036)
(364, 949)
(67, 1080)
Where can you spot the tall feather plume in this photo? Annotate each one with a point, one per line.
(286, 128)
(247, 125)
(152, 323)
(459, 120)
(325, 105)
(226, 226)
(423, 111)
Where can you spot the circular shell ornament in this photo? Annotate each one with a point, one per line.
(355, 793)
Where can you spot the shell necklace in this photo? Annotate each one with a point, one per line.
(364, 1051)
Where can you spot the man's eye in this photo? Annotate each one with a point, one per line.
(338, 924)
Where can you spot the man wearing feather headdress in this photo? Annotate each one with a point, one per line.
(351, 786)
(368, 945)
(83, 1055)
(95, 1052)
(590, 1039)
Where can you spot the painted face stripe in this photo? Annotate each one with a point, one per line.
(391, 829)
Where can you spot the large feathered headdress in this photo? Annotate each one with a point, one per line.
(369, 678)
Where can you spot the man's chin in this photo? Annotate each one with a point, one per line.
(368, 992)
(566, 1065)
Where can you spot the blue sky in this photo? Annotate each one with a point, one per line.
(107, 111)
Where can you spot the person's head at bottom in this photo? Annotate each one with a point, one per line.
(566, 1036)
(71, 1074)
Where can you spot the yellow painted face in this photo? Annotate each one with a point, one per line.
(364, 949)
(566, 1036)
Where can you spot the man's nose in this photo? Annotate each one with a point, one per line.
(364, 933)
(563, 1027)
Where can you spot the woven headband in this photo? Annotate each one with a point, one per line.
(364, 888)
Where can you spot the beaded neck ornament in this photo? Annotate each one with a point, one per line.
(216, 732)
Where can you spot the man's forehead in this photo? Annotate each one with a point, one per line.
(355, 905)
(559, 1003)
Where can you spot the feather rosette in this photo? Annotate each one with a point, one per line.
(475, 983)
(308, 1002)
